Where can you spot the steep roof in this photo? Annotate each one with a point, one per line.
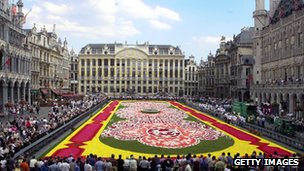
(285, 8)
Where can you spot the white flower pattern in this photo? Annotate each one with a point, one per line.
(166, 129)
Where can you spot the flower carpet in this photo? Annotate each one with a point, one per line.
(122, 127)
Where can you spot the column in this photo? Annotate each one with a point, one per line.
(272, 100)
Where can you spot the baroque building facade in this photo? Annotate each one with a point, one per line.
(51, 63)
(191, 77)
(222, 71)
(74, 72)
(206, 77)
(125, 69)
(241, 64)
(15, 56)
(279, 53)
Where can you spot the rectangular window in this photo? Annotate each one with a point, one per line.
(112, 62)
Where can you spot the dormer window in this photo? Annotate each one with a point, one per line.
(88, 52)
(171, 50)
(155, 53)
(105, 52)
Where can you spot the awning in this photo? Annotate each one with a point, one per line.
(44, 91)
(56, 91)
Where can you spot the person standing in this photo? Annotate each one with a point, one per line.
(144, 164)
(120, 163)
(33, 162)
(72, 165)
(168, 164)
(113, 162)
(99, 165)
(108, 166)
(24, 166)
(65, 166)
(87, 166)
(133, 164)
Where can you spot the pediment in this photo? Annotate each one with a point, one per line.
(131, 53)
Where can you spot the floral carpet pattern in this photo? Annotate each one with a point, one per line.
(167, 129)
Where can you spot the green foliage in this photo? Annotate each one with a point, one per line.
(203, 147)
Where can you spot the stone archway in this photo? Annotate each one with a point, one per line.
(269, 97)
(260, 98)
(280, 98)
(239, 96)
(28, 93)
(16, 91)
(10, 91)
(275, 98)
(293, 103)
(286, 106)
(22, 91)
(3, 94)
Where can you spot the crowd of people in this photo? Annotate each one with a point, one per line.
(222, 109)
(189, 162)
(23, 130)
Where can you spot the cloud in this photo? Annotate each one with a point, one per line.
(135, 10)
(167, 13)
(159, 25)
(95, 18)
(56, 9)
(204, 44)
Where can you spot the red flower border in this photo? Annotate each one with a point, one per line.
(241, 135)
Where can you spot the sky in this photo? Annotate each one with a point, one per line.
(196, 26)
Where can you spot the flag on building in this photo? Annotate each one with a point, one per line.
(24, 17)
(7, 62)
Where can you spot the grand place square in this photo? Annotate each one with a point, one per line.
(151, 85)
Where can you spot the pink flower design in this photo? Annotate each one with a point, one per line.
(168, 129)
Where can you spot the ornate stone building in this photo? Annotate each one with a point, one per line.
(279, 50)
(15, 56)
(74, 72)
(206, 77)
(222, 71)
(241, 64)
(51, 63)
(124, 69)
(191, 77)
